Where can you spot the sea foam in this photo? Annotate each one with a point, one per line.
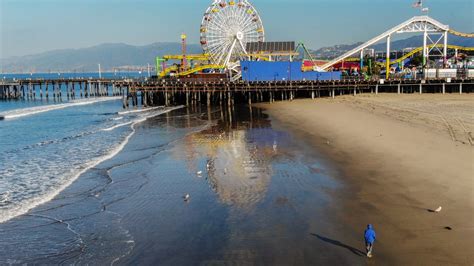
(28, 204)
(47, 108)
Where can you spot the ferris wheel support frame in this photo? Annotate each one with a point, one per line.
(226, 27)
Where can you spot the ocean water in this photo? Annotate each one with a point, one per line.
(45, 146)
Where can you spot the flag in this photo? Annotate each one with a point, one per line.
(418, 4)
(425, 10)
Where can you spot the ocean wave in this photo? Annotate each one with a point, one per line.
(117, 126)
(28, 204)
(117, 118)
(53, 141)
(141, 110)
(4, 197)
(47, 108)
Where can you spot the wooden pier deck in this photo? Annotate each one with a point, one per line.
(176, 92)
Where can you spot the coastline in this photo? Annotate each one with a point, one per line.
(35, 202)
(401, 155)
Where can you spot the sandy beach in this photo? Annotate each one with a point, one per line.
(401, 156)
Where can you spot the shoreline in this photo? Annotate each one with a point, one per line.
(35, 202)
(398, 163)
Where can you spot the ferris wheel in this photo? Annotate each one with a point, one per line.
(227, 27)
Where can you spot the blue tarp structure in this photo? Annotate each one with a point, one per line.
(281, 71)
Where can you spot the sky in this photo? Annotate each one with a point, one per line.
(34, 26)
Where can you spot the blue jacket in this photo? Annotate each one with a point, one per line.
(369, 234)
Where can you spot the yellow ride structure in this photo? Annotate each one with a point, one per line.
(462, 34)
(420, 49)
(204, 58)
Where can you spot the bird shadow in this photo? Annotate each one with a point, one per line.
(340, 244)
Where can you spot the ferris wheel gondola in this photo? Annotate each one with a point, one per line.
(226, 28)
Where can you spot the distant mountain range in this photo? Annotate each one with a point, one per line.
(110, 55)
(124, 56)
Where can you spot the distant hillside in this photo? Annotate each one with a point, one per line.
(415, 41)
(123, 55)
(86, 59)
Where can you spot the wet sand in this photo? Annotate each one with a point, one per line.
(401, 155)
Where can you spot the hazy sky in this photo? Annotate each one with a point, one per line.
(32, 26)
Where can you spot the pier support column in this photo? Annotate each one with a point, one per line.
(60, 92)
(333, 94)
(124, 101)
(444, 88)
(460, 88)
(312, 95)
(68, 95)
(145, 99)
(208, 99)
(355, 92)
(399, 88)
(46, 91)
(421, 89)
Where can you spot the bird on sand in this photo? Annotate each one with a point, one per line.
(186, 197)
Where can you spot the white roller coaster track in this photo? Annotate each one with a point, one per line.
(416, 24)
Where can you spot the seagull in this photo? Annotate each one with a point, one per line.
(199, 173)
(439, 209)
(186, 197)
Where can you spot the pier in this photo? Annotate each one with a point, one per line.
(61, 89)
(214, 93)
(171, 92)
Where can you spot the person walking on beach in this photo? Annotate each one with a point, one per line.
(369, 236)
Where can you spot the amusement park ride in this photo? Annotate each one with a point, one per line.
(232, 31)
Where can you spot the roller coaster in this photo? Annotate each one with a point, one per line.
(418, 24)
(414, 52)
(420, 49)
(465, 35)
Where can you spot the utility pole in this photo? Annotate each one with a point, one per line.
(184, 61)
